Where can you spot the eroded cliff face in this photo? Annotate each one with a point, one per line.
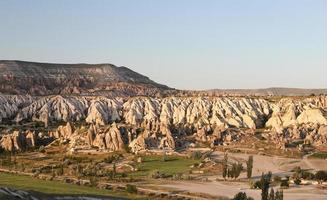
(140, 111)
(164, 123)
(21, 77)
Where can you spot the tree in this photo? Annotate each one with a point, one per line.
(249, 166)
(236, 170)
(272, 194)
(225, 166)
(242, 196)
(229, 174)
(114, 170)
(279, 195)
(265, 184)
(321, 176)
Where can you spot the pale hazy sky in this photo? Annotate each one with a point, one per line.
(184, 44)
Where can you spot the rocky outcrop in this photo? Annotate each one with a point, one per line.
(231, 112)
(103, 111)
(56, 108)
(290, 112)
(312, 116)
(167, 123)
(10, 105)
(18, 141)
(110, 139)
(63, 132)
(313, 134)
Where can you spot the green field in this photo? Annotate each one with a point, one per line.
(320, 155)
(172, 165)
(55, 188)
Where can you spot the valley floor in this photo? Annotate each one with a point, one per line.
(262, 164)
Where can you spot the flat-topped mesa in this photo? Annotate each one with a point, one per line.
(21, 77)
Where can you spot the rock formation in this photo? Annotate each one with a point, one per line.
(164, 123)
(20, 77)
(18, 141)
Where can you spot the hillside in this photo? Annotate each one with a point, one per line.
(20, 77)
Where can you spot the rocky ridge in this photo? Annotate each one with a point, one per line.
(34, 78)
(162, 123)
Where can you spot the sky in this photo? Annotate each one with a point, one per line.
(186, 44)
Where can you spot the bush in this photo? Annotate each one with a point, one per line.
(111, 158)
(42, 149)
(277, 179)
(297, 181)
(242, 196)
(196, 155)
(256, 185)
(157, 174)
(164, 158)
(131, 189)
(308, 175)
(284, 183)
(94, 181)
(321, 175)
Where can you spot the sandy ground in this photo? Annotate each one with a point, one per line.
(230, 189)
(277, 165)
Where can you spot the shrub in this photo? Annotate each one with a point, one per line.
(94, 181)
(196, 155)
(284, 183)
(123, 175)
(41, 149)
(297, 181)
(157, 174)
(164, 158)
(131, 189)
(241, 196)
(321, 175)
(308, 175)
(256, 185)
(277, 179)
(111, 158)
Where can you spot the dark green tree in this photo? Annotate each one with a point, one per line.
(265, 184)
(242, 196)
(225, 166)
(279, 195)
(321, 176)
(249, 167)
(114, 170)
(271, 194)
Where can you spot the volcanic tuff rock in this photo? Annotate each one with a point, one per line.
(103, 111)
(289, 112)
(10, 104)
(164, 123)
(152, 112)
(18, 141)
(20, 77)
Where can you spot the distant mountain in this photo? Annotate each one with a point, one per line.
(21, 77)
(275, 91)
